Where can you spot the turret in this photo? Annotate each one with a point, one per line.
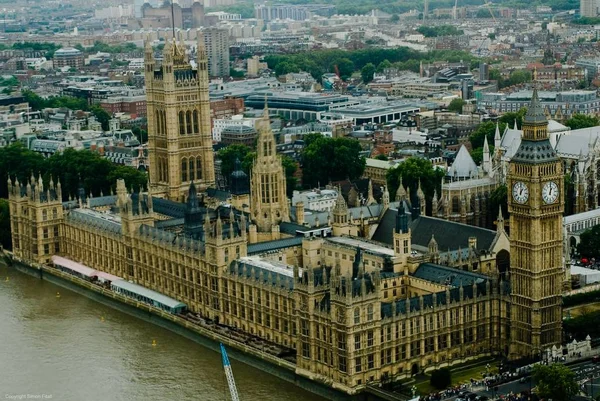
(370, 198)
(385, 199)
(401, 191)
(487, 160)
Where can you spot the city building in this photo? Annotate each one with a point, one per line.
(357, 295)
(588, 8)
(559, 105)
(318, 199)
(217, 47)
(179, 131)
(165, 16)
(68, 57)
(268, 12)
(239, 135)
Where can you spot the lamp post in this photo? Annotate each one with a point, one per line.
(414, 390)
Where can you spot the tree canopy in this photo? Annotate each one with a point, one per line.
(229, 154)
(555, 381)
(578, 121)
(456, 105)
(5, 239)
(440, 30)
(38, 103)
(589, 247)
(367, 72)
(331, 159)
(321, 61)
(412, 170)
(71, 167)
(516, 77)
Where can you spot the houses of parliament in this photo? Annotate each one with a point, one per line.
(411, 293)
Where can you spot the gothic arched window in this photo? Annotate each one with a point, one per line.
(196, 129)
(181, 123)
(188, 120)
(356, 316)
(192, 169)
(184, 171)
(198, 168)
(157, 121)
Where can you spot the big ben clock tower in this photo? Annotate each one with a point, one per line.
(535, 203)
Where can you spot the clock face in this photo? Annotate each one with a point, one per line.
(520, 192)
(550, 192)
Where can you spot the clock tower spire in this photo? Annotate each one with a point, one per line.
(535, 181)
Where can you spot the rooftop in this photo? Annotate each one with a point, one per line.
(362, 244)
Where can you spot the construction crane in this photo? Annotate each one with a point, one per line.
(229, 375)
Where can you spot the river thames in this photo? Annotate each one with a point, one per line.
(70, 348)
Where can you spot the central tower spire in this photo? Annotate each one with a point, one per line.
(268, 200)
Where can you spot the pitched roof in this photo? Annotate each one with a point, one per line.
(261, 247)
(463, 165)
(385, 230)
(449, 234)
(447, 275)
(535, 111)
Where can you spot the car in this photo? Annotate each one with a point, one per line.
(596, 359)
(481, 398)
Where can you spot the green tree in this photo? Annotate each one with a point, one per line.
(498, 198)
(367, 73)
(286, 68)
(140, 134)
(331, 159)
(18, 162)
(381, 157)
(578, 121)
(477, 154)
(589, 247)
(456, 105)
(229, 155)
(441, 378)
(555, 381)
(383, 65)
(520, 76)
(510, 118)
(102, 116)
(440, 30)
(484, 129)
(395, 18)
(134, 179)
(345, 67)
(290, 166)
(413, 170)
(5, 238)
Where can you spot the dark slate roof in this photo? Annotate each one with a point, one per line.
(103, 201)
(535, 152)
(254, 269)
(293, 228)
(449, 234)
(440, 298)
(447, 275)
(218, 194)
(385, 230)
(169, 223)
(168, 207)
(535, 112)
(274, 245)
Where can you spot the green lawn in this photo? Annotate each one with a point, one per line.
(459, 376)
